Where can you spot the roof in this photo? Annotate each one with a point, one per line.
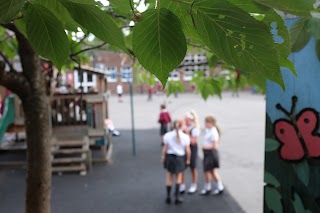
(92, 70)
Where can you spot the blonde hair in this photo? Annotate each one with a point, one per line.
(177, 124)
(211, 119)
(195, 118)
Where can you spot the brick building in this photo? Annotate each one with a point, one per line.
(118, 67)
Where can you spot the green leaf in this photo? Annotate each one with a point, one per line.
(271, 145)
(9, 9)
(209, 87)
(46, 34)
(21, 25)
(302, 170)
(122, 7)
(96, 21)
(318, 49)
(273, 199)
(295, 7)
(9, 48)
(174, 87)
(237, 38)
(213, 60)
(182, 12)
(313, 27)
(270, 179)
(60, 12)
(159, 42)
(298, 204)
(299, 35)
(277, 26)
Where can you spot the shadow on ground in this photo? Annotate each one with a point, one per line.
(129, 185)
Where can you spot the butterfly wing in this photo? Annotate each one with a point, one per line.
(308, 122)
(287, 135)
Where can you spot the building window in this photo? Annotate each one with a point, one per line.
(89, 81)
(188, 73)
(126, 74)
(100, 66)
(112, 74)
(174, 76)
(90, 78)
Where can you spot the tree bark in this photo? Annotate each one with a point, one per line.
(38, 192)
(35, 107)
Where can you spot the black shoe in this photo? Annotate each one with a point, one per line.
(182, 192)
(205, 192)
(217, 192)
(168, 200)
(178, 201)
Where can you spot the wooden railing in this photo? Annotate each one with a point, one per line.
(68, 110)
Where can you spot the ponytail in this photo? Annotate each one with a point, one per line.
(177, 125)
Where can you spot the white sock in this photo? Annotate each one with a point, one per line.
(220, 185)
(207, 186)
(182, 187)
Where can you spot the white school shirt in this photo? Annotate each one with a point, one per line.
(211, 136)
(195, 132)
(119, 89)
(174, 147)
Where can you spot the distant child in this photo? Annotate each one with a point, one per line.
(164, 120)
(150, 93)
(192, 129)
(211, 157)
(119, 92)
(175, 156)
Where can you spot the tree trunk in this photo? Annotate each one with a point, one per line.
(35, 106)
(38, 192)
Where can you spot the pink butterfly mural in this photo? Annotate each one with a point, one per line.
(298, 133)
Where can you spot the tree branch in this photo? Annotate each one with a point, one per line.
(199, 46)
(14, 81)
(114, 15)
(87, 49)
(6, 38)
(7, 61)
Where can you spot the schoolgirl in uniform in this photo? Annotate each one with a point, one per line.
(192, 129)
(164, 120)
(211, 157)
(175, 156)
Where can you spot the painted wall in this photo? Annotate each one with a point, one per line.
(292, 157)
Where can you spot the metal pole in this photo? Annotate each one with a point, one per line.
(132, 121)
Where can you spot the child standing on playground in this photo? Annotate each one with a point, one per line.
(164, 120)
(211, 157)
(175, 156)
(192, 129)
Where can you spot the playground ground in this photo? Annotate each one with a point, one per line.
(136, 184)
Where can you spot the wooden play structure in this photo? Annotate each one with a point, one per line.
(78, 134)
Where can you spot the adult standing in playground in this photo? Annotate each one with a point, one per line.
(175, 156)
(192, 129)
(164, 120)
(119, 92)
(211, 157)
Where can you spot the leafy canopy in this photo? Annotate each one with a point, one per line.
(247, 34)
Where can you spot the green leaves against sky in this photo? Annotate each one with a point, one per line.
(247, 34)
(159, 42)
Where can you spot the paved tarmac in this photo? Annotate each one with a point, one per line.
(129, 185)
(242, 121)
(136, 184)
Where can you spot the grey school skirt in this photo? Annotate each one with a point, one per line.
(210, 160)
(174, 164)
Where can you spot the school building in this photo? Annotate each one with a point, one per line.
(118, 68)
